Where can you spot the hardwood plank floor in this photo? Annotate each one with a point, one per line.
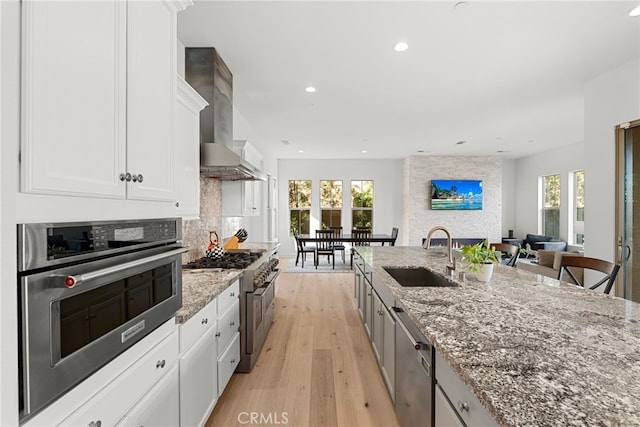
(316, 368)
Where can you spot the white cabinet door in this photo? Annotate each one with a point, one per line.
(160, 407)
(388, 350)
(187, 150)
(445, 414)
(377, 327)
(198, 381)
(228, 362)
(252, 197)
(73, 97)
(151, 94)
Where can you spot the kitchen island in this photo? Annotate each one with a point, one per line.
(533, 350)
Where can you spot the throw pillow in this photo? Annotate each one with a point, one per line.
(545, 258)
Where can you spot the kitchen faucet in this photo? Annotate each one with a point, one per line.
(427, 244)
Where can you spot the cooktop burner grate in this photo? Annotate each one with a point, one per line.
(238, 260)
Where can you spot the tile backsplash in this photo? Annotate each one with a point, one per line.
(195, 232)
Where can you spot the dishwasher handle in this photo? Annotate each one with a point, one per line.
(406, 323)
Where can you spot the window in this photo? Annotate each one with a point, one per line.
(551, 205)
(362, 204)
(299, 206)
(577, 213)
(330, 204)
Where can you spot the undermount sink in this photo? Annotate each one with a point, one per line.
(418, 277)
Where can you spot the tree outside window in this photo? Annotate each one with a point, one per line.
(578, 203)
(551, 206)
(330, 203)
(299, 207)
(362, 204)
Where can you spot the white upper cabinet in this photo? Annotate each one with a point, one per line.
(98, 94)
(187, 150)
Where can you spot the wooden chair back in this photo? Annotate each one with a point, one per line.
(511, 252)
(361, 236)
(609, 269)
(325, 241)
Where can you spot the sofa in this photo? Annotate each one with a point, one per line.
(548, 264)
(538, 241)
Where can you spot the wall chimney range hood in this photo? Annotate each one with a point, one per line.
(207, 73)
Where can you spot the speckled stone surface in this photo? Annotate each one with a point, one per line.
(200, 287)
(535, 351)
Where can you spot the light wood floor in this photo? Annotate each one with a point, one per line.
(316, 368)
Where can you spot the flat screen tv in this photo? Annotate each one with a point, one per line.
(456, 194)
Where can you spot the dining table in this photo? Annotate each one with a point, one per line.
(348, 238)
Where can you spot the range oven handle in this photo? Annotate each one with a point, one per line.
(72, 281)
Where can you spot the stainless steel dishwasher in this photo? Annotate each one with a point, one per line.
(414, 374)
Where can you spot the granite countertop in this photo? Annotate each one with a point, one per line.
(200, 287)
(535, 351)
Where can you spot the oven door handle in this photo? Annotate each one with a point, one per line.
(72, 281)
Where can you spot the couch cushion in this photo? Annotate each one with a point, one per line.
(531, 239)
(557, 259)
(551, 246)
(545, 258)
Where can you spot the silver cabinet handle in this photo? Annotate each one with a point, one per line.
(204, 321)
(463, 406)
(233, 361)
(218, 334)
(177, 204)
(232, 323)
(137, 178)
(160, 363)
(95, 423)
(232, 294)
(125, 177)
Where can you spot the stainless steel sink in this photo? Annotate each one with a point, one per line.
(418, 277)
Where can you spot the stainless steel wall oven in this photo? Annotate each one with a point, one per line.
(87, 292)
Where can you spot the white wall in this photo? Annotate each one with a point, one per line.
(387, 196)
(610, 99)
(9, 142)
(563, 161)
(418, 217)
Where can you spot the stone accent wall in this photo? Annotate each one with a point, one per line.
(418, 217)
(195, 233)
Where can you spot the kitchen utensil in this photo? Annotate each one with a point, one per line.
(241, 234)
(214, 250)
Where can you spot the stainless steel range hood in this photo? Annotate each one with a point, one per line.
(207, 73)
(217, 161)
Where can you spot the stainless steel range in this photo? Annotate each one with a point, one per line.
(257, 294)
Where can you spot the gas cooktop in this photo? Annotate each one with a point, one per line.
(238, 260)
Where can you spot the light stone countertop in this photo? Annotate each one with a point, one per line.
(200, 287)
(535, 351)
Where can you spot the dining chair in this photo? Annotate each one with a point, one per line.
(610, 270)
(304, 250)
(338, 246)
(509, 253)
(360, 237)
(324, 246)
(394, 236)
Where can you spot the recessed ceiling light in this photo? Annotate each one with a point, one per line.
(310, 89)
(460, 5)
(300, 151)
(400, 47)
(285, 142)
(420, 151)
(635, 12)
(364, 151)
(500, 151)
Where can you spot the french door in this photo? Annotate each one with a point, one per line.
(628, 209)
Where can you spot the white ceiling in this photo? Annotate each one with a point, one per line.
(505, 75)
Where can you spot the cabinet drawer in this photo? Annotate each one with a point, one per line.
(228, 325)
(113, 401)
(227, 363)
(197, 326)
(467, 406)
(228, 296)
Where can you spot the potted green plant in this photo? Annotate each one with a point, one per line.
(480, 259)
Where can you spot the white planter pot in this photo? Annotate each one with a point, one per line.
(485, 272)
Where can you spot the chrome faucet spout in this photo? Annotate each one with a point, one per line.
(427, 243)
